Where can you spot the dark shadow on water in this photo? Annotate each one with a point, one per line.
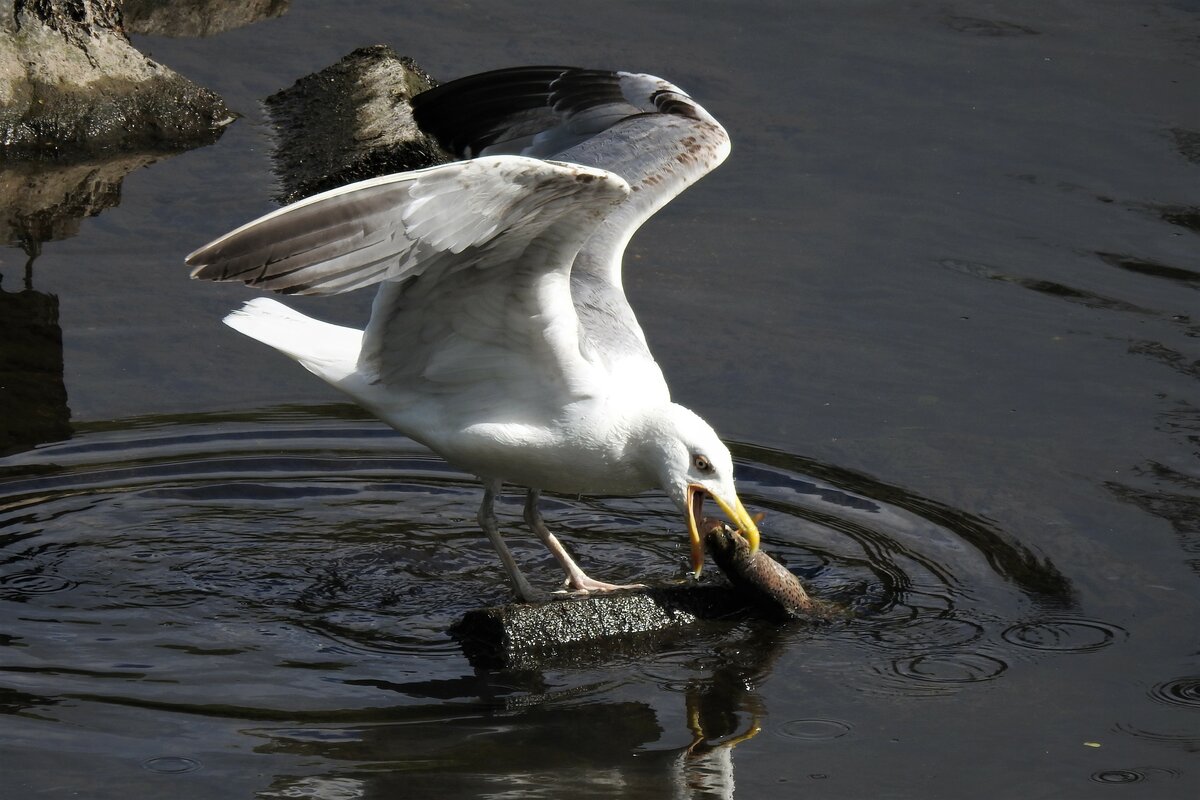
(1155, 269)
(1184, 216)
(1187, 142)
(1167, 356)
(1081, 296)
(1170, 495)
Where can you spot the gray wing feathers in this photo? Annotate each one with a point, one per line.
(518, 258)
(640, 127)
(391, 228)
(648, 131)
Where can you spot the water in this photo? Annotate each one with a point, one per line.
(942, 300)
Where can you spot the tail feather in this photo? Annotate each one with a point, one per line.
(328, 351)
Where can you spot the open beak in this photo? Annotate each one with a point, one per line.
(695, 514)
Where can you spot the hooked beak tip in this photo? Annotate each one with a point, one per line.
(746, 525)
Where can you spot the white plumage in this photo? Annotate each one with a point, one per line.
(500, 336)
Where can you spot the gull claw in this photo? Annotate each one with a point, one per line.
(582, 587)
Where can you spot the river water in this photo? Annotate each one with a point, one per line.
(942, 300)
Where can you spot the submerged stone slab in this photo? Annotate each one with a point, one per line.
(349, 122)
(572, 629)
(590, 628)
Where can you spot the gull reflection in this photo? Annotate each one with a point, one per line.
(544, 733)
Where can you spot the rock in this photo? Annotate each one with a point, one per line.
(349, 122)
(71, 83)
(581, 629)
(180, 18)
(577, 630)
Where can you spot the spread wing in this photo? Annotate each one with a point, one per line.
(639, 127)
(500, 276)
(474, 259)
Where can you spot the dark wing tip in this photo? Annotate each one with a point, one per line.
(472, 113)
(505, 107)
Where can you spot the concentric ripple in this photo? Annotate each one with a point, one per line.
(950, 668)
(311, 559)
(1064, 635)
(1178, 692)
(1118, 776)
(1139, 775)
(19, 584)
(171, 765)
(814, 730)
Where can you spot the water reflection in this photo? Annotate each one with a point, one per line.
(287, 579)
(511, 732)
(181, 18)
(46, 200)
(33, 397)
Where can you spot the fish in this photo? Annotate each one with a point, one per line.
(762, 579)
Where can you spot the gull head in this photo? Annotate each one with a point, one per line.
(690, 462)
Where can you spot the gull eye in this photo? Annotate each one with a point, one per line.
(701, 463)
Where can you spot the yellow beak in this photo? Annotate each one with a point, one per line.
(695, 515)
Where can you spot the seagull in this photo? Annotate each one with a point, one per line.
(500, 336)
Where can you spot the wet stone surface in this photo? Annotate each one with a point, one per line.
(349, 122)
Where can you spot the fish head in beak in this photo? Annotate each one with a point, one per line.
(690, 462)
(732, 508)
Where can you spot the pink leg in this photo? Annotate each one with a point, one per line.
(487, 521)
(577, 579)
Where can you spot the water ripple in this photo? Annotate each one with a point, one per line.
(1187, 740)
(171, 765)
(19, 584)
(951, 668)
(235, 549)
(814, 730)
(1178, 692)
(1064, 635)
(1138, 775)
(923, 632)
